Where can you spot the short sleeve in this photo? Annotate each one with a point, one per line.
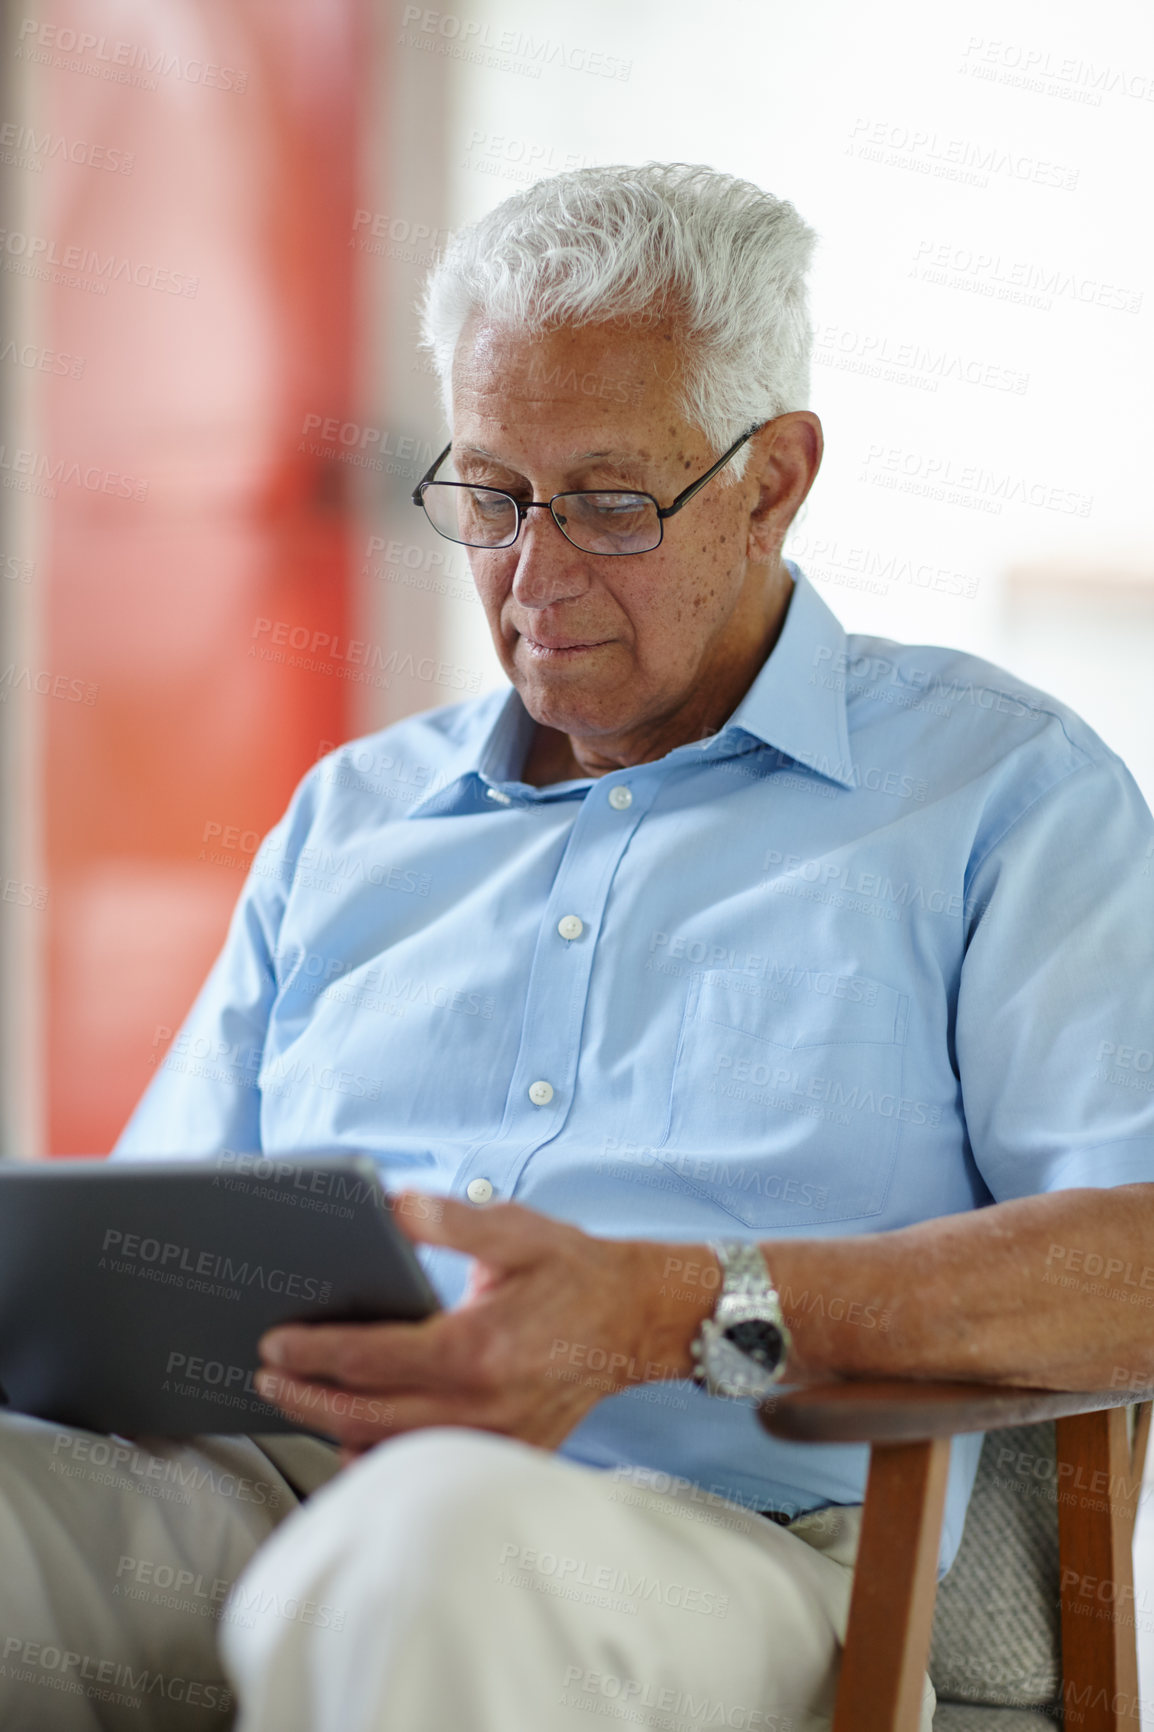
(1055, 1016)
(205, 1095)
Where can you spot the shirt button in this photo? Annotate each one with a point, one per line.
(620, 798)
(540, 1093)
(478, 1190)
(570, 927)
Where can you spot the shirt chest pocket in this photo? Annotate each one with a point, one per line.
(786, 1103)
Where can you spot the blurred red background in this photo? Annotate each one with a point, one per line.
(225, 318)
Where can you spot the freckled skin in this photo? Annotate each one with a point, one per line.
(619, 660)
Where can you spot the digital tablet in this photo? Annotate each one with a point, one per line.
(133, 1292)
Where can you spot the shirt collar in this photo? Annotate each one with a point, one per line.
(797, 702)
(791, 706)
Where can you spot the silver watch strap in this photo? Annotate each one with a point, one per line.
(743, 1266)
(746, 1294)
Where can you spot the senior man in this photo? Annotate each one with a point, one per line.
(721, 953)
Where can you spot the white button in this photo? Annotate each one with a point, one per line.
(478, 1190)
(570, 926)
(540, 1093)
(496, 794)
(620, 798)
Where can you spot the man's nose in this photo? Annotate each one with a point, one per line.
(549, 568)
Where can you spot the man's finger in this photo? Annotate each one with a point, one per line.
(505, 1233)
(360, 1356)
(356, 1421)
(320, 1407)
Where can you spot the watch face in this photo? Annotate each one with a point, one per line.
(759, 1340)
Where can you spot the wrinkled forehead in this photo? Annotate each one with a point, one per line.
(614, 373)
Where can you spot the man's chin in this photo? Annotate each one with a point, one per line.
(581, 717)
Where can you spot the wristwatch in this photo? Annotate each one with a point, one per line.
(742, 1349)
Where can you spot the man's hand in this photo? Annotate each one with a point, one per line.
(552, 1321)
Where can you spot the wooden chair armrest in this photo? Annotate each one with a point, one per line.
(910, 1412)
(909, 1425)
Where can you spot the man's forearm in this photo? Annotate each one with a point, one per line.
(1056, 1291)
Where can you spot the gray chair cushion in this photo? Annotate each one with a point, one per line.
(996, 1638)
(954, 1717)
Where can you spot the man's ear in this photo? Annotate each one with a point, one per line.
(784, 460)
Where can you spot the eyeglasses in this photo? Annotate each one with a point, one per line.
(612, 521)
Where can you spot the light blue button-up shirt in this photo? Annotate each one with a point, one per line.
(882, 949)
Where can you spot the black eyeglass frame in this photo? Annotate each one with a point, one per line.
(523, 507)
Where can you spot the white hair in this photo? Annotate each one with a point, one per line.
(724, 258)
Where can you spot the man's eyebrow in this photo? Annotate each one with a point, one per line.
(625, 458)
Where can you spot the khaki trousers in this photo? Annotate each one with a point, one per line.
(452, 1581)
(116, 1562)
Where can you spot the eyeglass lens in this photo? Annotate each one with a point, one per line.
(595, 522)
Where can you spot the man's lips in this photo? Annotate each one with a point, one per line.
(557, 648)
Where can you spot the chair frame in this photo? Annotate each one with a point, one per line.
(909, 1426)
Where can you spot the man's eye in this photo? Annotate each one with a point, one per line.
(612, 507)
